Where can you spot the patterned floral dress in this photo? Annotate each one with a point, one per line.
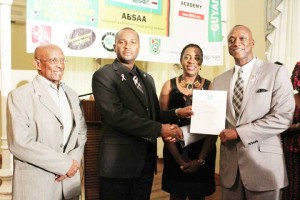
(291, 145)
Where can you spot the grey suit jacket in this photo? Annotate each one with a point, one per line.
(267, 110)
(35, 138)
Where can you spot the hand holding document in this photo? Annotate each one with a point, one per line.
(209, 107)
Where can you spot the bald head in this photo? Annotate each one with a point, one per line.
(42, 50)
(240, 44)
(241, 27)
(49, 60)
(126, 29)
(127, 46)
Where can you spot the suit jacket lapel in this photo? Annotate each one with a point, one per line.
(127, 78)
(45, 98)
(149, 88)
(229, 94)
(70, 144)
(152, 96)
(251, 83)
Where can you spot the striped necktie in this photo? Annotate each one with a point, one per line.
(238, 91)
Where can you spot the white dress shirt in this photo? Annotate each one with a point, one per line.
(247, 69)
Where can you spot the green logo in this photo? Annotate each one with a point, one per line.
(154, 44)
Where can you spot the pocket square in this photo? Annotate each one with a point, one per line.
(261, 90)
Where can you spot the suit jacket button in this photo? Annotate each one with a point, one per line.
(61, 127)
(61, 146)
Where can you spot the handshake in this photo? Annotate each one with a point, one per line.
(171, 132)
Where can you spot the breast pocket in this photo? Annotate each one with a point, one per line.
(260, 102)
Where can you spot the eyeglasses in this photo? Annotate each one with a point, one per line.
(54, 60)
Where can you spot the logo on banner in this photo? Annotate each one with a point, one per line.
(41, 34)
(154, 45)
(108, 41)
(80, 38)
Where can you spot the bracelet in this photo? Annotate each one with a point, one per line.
(201, 162)
(176, 112)
(297, 125)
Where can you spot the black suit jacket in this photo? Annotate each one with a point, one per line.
(130, 123)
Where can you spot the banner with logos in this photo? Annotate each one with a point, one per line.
(86, 28)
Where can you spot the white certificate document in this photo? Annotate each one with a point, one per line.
(209, 107)
(190, 138)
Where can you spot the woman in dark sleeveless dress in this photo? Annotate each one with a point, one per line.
(189, 171)
(291, 144)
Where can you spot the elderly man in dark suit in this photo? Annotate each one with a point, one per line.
(260, 107)
(132, 121)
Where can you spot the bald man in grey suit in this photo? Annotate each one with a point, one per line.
(46, 132)
(251, 157)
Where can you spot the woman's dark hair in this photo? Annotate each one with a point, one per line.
(191, 45)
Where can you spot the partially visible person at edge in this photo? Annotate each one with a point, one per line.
(46, 132)
(291, 144)
(132, 121)
(252, 164)
(188, 172)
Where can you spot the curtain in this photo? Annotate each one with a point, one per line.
(271, 14)
(284, 42)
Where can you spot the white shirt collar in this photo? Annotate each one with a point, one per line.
(247, 69)
(51, 84)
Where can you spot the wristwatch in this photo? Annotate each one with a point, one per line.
(201, 161)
